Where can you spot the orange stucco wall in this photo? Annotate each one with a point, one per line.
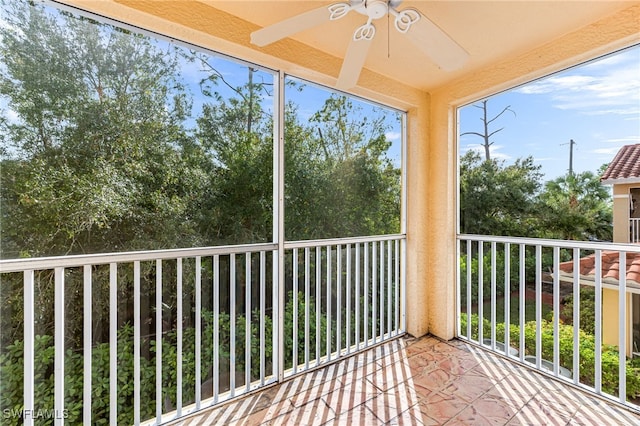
(432, 148)
(621, 197)
(611, 319)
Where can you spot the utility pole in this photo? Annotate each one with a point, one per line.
(571, 144)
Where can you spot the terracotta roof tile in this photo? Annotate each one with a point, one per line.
(625, 165)
(610, 268)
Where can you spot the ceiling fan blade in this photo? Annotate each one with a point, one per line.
(295, 24)
(353, 63)
(433, 41)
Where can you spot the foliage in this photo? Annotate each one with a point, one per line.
(576, 207)
(610, 356)
(498, 199)
(11, 364)
(487, 265)
(339, 180)
(108, 150)
(510, 200)
(587, 309)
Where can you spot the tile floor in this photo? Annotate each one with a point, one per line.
(418, 382)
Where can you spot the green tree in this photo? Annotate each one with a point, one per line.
(498, 199)
(237, 135)
(576, 207)
(339, 175)
(99, 156)
(97, 160)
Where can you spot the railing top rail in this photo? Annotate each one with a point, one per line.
(339, 241)
(585, 245)
(25, 264)
(37, 263)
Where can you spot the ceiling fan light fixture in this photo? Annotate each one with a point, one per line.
(405, 19)
(365, 32)
(338, 10)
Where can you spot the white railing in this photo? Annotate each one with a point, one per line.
(520, 288)
(190, 328)
(350, 289)
(634, 228)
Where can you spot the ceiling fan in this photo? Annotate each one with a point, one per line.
(424, 34)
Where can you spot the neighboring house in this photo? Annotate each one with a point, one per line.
(610, 283)
(624, 174)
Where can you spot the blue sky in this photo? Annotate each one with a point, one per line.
(596, 104)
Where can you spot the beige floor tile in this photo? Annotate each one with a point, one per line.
(419, 382)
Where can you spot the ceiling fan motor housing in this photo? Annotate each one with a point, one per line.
(373, 9)
(376, 9)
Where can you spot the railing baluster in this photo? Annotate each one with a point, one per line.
(179, 299)
(397, 287)
(338, 299)
(59, 343)
(294, 261)
(136, 342)
(389, 271)
(366, 294)
(29, 346)
(480, 291)
(307, 289)
(247, 328)
(374, 291)
(358, 339)
(198, 331)
(263, 285)
(158, 341)
(493, 295)
(556, 310)
(382, 329)
(469, 293)
(522, 284)
(216, 328)
(507, 298)
(113, 344)
(232, 325)
(622, 328)
(403, 285)
(598, 322)
(87, 350)
(318, 288)
(576, 315)
(349, 300)
(329, 297)
(538, 306)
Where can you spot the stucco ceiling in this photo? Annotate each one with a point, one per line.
(489, 31)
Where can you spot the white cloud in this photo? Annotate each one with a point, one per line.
(555, 84)
(494, 151)
(629, 140)
(607, 151)
(393, 136)
(609, 86)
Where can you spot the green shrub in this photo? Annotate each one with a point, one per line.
(11, 365)
(610, 356)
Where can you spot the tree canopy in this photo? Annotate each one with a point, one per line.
(110, 148)
(512, 200)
